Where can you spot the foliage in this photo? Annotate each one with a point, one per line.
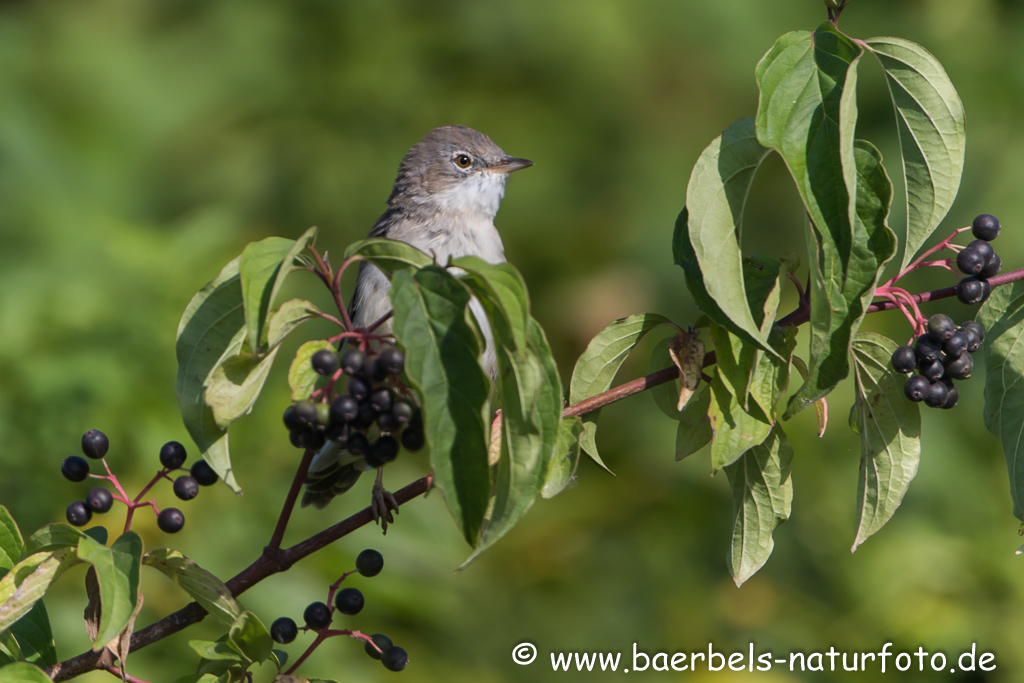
(233, 330)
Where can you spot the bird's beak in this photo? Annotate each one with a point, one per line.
(509, 164)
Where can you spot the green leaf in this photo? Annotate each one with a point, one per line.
(736, 430)
(770, 376)
(11, 544)
(566, 457)
(531, 414)
(709, 251)
(762, 496)
(251, 637)
(530, 391)
(97, 533)
(442, 362)
(1002, 317)
(235, 385)
(117, 573)
(694, 431)
(835, 322)
(302, 378)
(931, 124)
(890, 434)
(389, 255)
(218, 657)
(287, 317)
(52, 537)
(23, 672)
(29, 580)
(34, 637)
(601, 360)
(502, 287)
(808, 113)
(666, 394)
(260, 265)
(209, 591)
(211, 329)
(734, 361)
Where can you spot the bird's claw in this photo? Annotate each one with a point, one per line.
(382, 504)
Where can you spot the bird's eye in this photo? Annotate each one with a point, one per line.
(463, 160)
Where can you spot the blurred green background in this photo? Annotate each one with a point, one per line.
(142, 145)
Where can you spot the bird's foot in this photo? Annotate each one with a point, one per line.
(382, 503)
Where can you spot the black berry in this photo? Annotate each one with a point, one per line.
(303, 438)
(317, 616)
(186, 487)
(387, 422)
(337, 431)
(986, 227)
(358, 444)
(380, 399)
(972, 291)
(977, 330)
(412, 439)
(952, 396)
(917, 388)
(961, 367)
(74, 468)
(402, 411)
(970, 261)
(392, 361)
(291, 418)
(170, 520)
(352, 361)
(325, 362)
(345, 408)
(937, 395)
(78, 514)
(931, 369)
(992, 269)
(203, 473)
(983, 248)
(369, 562)
(358, 388)
(172, 455)
(365, 417)
(382, 451)
(99, 500)
(349, 601)
(941, 327)
(374, 371)
(95, 444)
(305, 412)
(394, 658)
(927, 348)
(284, 630)
(381, 641)
(956, 344)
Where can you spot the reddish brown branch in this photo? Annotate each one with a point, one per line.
(270, 562)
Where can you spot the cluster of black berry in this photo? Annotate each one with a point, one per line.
(99, 499)
(370, 401)
(349, 601)
(978, 261)
(940, 356)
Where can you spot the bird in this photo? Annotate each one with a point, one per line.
(444, 200)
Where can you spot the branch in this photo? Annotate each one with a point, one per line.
(274, 560)
(267, 564)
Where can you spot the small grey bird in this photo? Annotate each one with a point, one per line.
(444, 201)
